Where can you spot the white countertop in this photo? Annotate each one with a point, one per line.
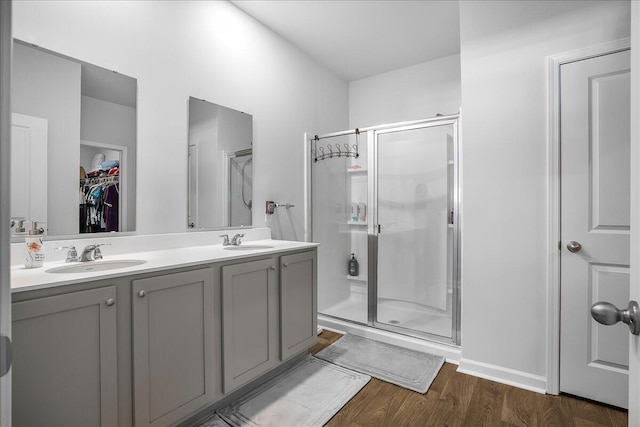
(23, 279)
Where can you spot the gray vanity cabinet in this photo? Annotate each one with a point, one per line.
(65, 368)
(173, 346)
(298, 303)
(249, 321)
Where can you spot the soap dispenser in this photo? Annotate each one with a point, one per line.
(353, 266)
(34, 256)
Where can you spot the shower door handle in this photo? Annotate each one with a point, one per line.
(379, 228)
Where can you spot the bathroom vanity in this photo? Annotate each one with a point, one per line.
(156, 343)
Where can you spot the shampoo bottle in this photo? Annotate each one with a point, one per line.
(34, 256)
(353, 266)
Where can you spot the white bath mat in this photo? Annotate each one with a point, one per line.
(407, 368)
(309, 394)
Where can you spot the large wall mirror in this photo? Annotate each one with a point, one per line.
(220, 166)
(73, 144)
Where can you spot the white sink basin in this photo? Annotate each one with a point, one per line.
(247, 247)
(92, 266)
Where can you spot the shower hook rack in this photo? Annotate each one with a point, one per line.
(336, 150)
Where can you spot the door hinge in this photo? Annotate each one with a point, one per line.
(5, 355)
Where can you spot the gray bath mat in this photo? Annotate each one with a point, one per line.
(214, 421)
(407, 368)
(308, 394)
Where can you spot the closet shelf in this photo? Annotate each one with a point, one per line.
(357, 278)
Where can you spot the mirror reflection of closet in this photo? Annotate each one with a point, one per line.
(66, 113)
(220, 166)
(101, 188)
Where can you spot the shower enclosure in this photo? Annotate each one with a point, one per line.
(389, 196)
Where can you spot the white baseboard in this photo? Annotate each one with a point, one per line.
(524, 380)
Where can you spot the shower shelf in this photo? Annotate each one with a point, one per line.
(450, 162)
(357, 278)
(356, 222)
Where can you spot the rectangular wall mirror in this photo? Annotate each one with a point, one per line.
(73, 144)
(220, 166)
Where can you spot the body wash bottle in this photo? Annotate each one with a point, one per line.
(34, 256)
(353, 266)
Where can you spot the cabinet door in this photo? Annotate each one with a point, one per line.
(249, 321)
(64, 369)
(298, 303)
(173, 356)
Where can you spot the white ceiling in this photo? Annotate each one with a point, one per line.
(361, 38)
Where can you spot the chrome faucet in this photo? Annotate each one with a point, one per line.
(92, 252)
(236, 240)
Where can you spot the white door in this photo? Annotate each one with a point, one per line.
(595, 225)
(28, 167)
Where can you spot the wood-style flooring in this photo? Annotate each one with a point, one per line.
(456, 399)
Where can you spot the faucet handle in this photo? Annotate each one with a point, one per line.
(225, 239)
(72, 254)
(97, 254)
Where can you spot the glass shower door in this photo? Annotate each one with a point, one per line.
(414, 196)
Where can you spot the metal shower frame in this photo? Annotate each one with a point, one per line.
(372, 228)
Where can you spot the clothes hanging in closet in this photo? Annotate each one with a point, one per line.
(99, 207)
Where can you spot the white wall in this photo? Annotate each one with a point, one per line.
(504, 49)
(411, 93)
(47, 86)
(210, 50)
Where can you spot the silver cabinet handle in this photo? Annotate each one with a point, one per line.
(285, 264)
(110, 302)
(142, 294)
(574, 246)
(608, 314)
(272, 267)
